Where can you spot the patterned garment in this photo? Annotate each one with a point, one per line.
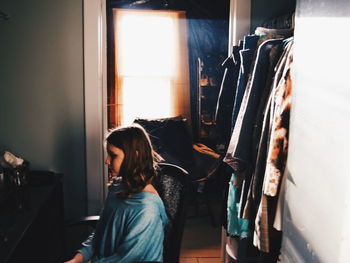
(261, 232)
(278, 147)
(262, 136)
(277, 155)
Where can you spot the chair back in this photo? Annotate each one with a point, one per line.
(172, 185)
(171, 138)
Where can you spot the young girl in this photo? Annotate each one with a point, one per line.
(131, 226)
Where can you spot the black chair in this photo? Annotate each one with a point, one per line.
(172, 185)
(172, 139)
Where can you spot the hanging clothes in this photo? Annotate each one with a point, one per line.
(226, 96)
(247, 49)
(258, 146)
(273, 58)
(261, 135)
(236, 226)
(277, 154)
(240, 180)
(239, 150)
(278, 147)
(246, 56)
(239, 153)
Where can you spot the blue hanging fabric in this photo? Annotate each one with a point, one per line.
(235, 226)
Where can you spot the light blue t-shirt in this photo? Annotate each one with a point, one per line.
(130, 230)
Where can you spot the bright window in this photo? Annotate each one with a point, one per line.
(151, 71)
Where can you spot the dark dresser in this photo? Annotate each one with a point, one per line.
(31, 220)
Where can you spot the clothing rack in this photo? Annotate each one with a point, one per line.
(244, 152)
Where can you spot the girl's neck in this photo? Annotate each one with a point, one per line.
(150, 189)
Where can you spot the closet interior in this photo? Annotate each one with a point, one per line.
(240, 107)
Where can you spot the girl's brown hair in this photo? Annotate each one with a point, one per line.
(139, 164)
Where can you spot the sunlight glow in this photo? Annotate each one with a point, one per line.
(136, 93)
(146, 45)
(146, 50)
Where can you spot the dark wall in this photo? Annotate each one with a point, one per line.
(42, 92)
(262, 10)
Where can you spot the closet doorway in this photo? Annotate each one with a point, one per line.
(148, 77)
(96, 83)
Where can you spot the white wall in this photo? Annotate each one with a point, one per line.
(317, 215)
(41, 90)
(265, 10)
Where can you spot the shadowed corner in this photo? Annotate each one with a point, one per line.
(295, 246)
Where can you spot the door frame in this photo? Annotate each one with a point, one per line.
(95, 88)
(95, 98)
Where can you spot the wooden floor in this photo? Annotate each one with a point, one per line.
(201, 242)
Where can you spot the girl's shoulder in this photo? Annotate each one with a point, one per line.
(144, 198)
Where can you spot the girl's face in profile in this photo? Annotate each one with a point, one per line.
(114, 160)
